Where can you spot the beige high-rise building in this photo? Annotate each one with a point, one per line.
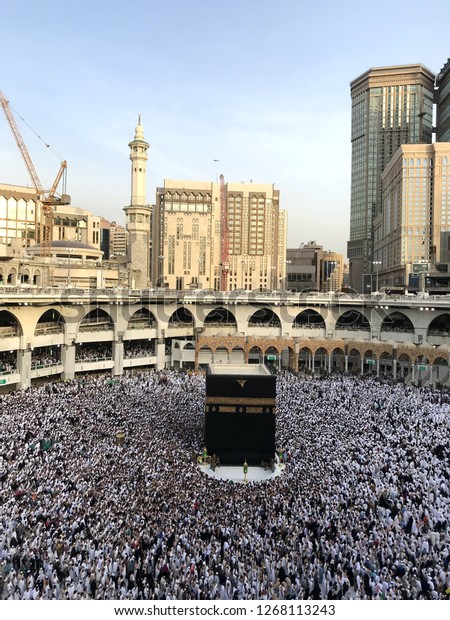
(412, 230)
(332, 272)
(192, 250)
(118, 237)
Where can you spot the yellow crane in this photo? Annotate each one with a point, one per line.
(47, 198)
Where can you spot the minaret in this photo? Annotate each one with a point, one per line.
(138, 213)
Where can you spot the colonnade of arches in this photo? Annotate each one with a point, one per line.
(54, 320)
(397, 362)
(193, 339)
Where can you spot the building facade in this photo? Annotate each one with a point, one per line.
(310, 268)
(303, 265)
(75, 224)
(412, 229)
(391, 106)
(118, 240)
(19, 214)
(332, 272)
(443, 104)
(189, 237)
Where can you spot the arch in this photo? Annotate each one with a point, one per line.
(264, 317)
(24, 276)
(181, 316)
(205, 347)
(221, 355)
(386, 363)
(12, 276)
(369, 362)
(176, 345)
(321, 360)
(305, 359)
(440, 326)
(397, 322)
(309, 318)
(271, 350)
(37, 277)
(220, 317)
(237, 355)
(354, 361)
(439, 370)
(272, 357)
(338, 360)
(404, 365)
(9, 325)
(422, 359)
(96, 320)
(255, 355)
(205, 356)
(188, 345)
(440, 361)
(353, 320)
(142, 319)
(51, 322)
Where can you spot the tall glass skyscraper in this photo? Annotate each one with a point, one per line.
(390, 106)
(443, 104)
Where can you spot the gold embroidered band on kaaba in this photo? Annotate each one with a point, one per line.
(236, 400)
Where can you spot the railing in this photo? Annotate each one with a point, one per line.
(39, 365)
(96, 327)
(48, 328)
(308, 325)
(354, 328)
(219, 324)
(8, 332)
(141, 325)
(128, 356)
(270, 325)
(397, 330)
(179, 325)
(93, 359)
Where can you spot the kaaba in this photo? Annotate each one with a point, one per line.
(240, 413)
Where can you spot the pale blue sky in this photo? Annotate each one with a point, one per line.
(261, 85)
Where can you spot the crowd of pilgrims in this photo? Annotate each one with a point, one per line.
(360, 510)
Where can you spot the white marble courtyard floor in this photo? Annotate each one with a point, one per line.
(236, 474)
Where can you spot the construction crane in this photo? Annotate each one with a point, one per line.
(225, 256)
(47, 198)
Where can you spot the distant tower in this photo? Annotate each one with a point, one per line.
(138, 213)
(391, 106)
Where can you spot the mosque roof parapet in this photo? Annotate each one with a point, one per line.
(442, 73)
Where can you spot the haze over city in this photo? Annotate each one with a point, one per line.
(261, 87)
